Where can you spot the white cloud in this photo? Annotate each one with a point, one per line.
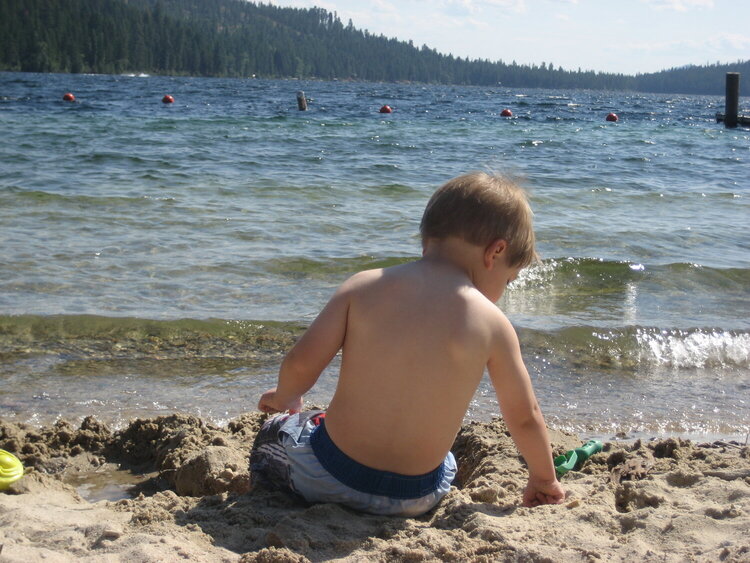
(515, 5)
(679, 5)
(647, 36)
(720, 48)
(447, 19)
(473, 7)
(721, 42)
(737, 41)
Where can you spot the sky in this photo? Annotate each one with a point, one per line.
(621, 36)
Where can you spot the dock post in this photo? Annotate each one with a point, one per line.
(302, 101)
(731, 106)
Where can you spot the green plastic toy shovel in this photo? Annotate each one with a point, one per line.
(11, 469)
(573, 460)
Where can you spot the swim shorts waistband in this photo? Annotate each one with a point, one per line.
(367, 480)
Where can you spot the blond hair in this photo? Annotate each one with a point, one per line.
(481, 208)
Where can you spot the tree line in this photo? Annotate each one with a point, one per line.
(240, 39)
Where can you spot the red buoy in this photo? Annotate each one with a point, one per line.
(612, 117)
(167, 99)
(386, 109)
(506, 113)
(69, 97)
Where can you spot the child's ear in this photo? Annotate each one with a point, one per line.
(493, 251)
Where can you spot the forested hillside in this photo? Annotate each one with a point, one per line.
(238, 38)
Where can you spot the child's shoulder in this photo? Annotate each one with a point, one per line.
(363, 277)
(360, 282)
(394, 272)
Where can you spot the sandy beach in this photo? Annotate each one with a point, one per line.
(190, 499)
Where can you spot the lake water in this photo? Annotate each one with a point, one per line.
(159, 258)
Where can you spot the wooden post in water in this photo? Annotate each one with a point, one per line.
(732, 103)
(301, 101)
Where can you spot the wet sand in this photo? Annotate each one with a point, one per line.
(190, 499)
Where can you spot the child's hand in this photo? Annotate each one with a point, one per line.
(270, 403)
(543, 492)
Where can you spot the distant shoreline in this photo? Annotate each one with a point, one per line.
(744, 98)
(242, 39)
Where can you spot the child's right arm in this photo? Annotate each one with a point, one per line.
(523, 417)
(314, 350)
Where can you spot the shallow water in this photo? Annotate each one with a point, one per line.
(108, 482)
(146, 246)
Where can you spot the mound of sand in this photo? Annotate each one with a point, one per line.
(662, 500)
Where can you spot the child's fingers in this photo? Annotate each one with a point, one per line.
(267, 409)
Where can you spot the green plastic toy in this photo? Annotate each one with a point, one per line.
(573, 460)
(11, 469)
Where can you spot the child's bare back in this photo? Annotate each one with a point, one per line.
(415, 341)
(418, 338)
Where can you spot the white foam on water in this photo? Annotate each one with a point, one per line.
(694, 349)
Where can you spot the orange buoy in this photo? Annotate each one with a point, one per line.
(167, 99)
(506, 113)
(386, 109)
(69, 97)
(612, 117)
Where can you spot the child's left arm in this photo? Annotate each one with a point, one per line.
(306, 360)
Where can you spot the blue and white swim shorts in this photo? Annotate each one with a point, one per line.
(294, 452)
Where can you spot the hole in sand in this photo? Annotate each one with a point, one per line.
(112, 483)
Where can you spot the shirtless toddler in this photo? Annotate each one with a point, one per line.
(415, 341)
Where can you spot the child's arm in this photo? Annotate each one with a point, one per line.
(306, 360)
(523, 417)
